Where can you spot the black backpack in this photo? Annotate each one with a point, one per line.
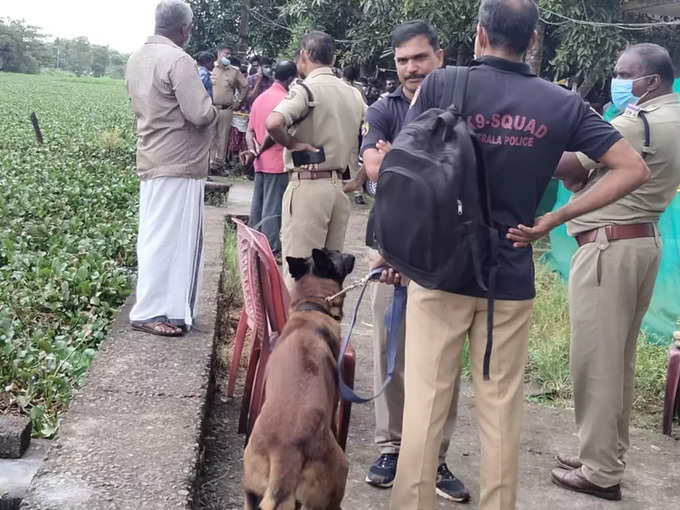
(432, 212)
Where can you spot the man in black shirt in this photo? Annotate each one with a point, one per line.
(524, 124)
(417, 54)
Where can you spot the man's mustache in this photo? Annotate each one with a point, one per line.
(416, 77)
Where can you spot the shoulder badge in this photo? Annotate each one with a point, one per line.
(365, 129)
(632, 111)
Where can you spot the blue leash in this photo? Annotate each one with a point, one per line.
(393, 319)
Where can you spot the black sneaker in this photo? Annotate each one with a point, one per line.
(449, 487)
(383, 471)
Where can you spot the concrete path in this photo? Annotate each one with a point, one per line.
(651, 481)
(131, 437)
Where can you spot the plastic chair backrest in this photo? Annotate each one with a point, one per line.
(270, 293)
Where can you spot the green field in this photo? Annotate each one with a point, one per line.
(67, 235)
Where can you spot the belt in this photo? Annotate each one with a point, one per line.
(319, 174)
(618, 233)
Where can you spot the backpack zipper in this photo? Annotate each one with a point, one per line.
(460, 207)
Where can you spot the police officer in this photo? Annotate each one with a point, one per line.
(607, 304)
(417, 54)
(523, 125)
(227, 81)
(323, 112)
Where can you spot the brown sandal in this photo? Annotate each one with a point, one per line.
(155, 328)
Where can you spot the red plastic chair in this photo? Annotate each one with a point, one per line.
(265, 311)
(671, 406)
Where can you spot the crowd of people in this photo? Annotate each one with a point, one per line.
(308, 123)
(257, 75)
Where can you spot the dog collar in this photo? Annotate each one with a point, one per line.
(310, 306)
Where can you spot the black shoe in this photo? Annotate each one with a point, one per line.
(359, 200)
(449, 487)
(383, 471)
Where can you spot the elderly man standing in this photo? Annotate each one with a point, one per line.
(613, 272)
(174, 122)
(322, 112)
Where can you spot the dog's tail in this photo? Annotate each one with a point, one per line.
(284, 474)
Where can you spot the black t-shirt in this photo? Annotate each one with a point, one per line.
(384, 119)
(524, 125)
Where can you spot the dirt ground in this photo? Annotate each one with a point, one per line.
(650, 482)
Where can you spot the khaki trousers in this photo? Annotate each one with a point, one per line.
(314, 215)
(437, 324)
(610, 287)
(389, 407)
(221, 141)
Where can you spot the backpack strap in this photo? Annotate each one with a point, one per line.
(453, 83)
(310, 101)
(647, 147)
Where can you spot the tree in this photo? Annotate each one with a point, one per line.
(100, 60)
(21, 46)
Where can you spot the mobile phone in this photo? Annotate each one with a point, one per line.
(302, 158)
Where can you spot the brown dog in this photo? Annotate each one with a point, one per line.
(293, 459)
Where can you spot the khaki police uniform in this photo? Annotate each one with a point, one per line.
(610, 286)
(225, 81)
(315, 210)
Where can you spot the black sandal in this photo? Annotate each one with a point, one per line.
(152, 327)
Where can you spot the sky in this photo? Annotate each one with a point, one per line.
(123, 25)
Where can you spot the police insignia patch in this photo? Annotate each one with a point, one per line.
(365, 128)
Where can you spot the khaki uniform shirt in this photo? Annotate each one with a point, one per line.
(225, 82)
(333, 122)
(174, 112)
(649, 201)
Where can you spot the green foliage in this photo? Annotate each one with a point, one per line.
(67, 240)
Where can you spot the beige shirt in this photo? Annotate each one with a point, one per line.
(174, 112)
(226, 81)
(334, 121)
(649, 201)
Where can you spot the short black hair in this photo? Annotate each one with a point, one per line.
(255, 58)
(266, 61)
(509, 23)
(225, 46)
(350, 73)
(319, 46)
(655, 59)
(285, 70)
(414, 28)
(204, 57)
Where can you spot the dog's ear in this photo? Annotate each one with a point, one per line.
(323, 265)
(348, 263)
(297, 267)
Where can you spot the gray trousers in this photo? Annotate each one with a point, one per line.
(266, 206)
(389, 407)
(610, 287)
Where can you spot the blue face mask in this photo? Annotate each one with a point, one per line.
(622, 92)
(225, 61)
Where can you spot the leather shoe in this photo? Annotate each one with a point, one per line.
(568, 461)
(575, 481)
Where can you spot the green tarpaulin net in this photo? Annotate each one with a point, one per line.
(664, 310)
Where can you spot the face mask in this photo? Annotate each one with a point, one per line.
(622, 92)
(225, 61)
